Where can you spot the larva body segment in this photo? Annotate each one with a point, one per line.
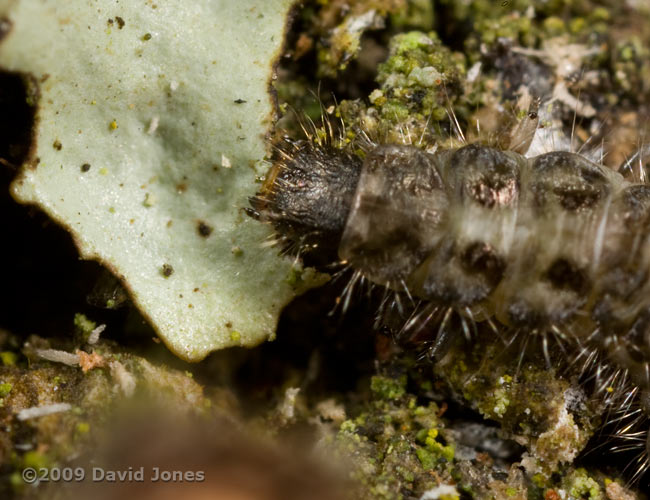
(526, 240)
(396, 215)
(553, 241)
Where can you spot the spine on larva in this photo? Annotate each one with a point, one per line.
(553, 241)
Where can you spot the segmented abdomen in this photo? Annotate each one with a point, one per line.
(550, 241)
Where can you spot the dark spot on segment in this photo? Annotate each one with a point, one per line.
(401, 197)
(573, 199)
(574, 182)
(146, 37)
(203, 229)
(120, 22)
(494, 191)
(480, 258)
(485, 175)
(460, 276)
(57, 145)
(564, 275)
(239, 101)
(167, 270)
(85, 167)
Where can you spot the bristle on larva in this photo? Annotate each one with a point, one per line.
(553, 246)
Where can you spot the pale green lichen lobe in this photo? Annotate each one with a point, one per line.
(154, 99)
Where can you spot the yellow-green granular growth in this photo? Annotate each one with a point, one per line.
(581, 485)
(426, 458)
(84, 324)
(388, 388)
(419, 77)
(5, 389)
(436, 448)
(8, 358)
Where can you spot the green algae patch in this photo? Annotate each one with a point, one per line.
(552, 416)
(388, 388)
(395, 445)
(169, 105)
(420, 77)
(580, 485)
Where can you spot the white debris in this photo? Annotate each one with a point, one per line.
(288, 406)
(438, 491)
(225, 161)
(94, 335)
(125, 380)
(616, 492)
(329, 409)
(369, 19)
(153, 125)
(57, 356)
(40, 411)
(473, 72)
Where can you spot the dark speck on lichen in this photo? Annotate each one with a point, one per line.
(167, 270)
(85, 167)
(239, 101)
(57, 145)
(146, 37)
(204, 229)
(120, 22)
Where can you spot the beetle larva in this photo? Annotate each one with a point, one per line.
(552, 242)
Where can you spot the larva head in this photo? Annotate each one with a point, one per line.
(307, 196)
